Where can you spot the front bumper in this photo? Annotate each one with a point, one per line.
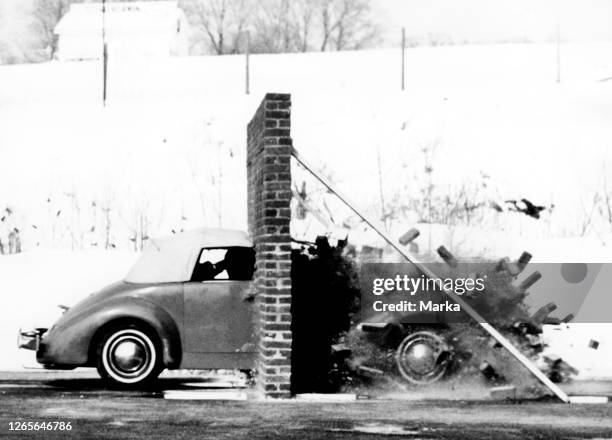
(30, 340)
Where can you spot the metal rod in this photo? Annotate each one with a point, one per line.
(427, 272)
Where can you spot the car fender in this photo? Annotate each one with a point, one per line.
(138, 309)
(76, 342)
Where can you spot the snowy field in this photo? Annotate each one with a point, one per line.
(35, 283)
(169, 124)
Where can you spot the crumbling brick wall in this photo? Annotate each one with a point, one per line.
(269, 214)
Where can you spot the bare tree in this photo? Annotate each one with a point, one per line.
(280, 26)
(588, 211)
(605, 206)
(219, 23)
(103, 221)
(346, 24)
(607, 210)
(303, 18)
(45, 16)
(299, 25)
(274, 27)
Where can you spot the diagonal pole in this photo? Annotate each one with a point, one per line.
(527, 363)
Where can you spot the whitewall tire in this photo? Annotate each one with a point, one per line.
(128, 356)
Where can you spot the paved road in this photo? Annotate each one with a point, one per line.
(95, 412)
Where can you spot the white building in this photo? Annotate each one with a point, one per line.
(157, 28)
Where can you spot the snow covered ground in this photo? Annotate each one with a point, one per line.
(171, 141)
(490, 109)
(35, 283)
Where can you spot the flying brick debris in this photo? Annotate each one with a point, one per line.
(447, 256)
(409, 236)
(526, 207)
(432, 345)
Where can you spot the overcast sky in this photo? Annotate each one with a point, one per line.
(458, 20)
(498, 20)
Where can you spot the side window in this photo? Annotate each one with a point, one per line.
(210, 265)
(233, 263)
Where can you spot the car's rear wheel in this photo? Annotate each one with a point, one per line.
(129, 356)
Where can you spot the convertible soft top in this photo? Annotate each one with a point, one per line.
(171, 259)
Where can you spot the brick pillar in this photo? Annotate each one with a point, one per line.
(269, 198)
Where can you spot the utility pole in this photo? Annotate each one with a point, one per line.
(104, 54)
(558, 45)
(403, 58)
(247, 53)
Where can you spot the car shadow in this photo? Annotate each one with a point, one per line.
(160, 385)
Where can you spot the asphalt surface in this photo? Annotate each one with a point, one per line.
(95, 412)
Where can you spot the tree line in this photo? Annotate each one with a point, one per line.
(280, 26)
(224, 27)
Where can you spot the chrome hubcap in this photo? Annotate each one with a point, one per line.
(129, 355)
(419, 357)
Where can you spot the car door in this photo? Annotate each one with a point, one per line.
(218, 312)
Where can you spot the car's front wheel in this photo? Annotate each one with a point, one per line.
(423, 357)
(129, 356)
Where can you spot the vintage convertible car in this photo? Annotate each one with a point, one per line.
(186, 303)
